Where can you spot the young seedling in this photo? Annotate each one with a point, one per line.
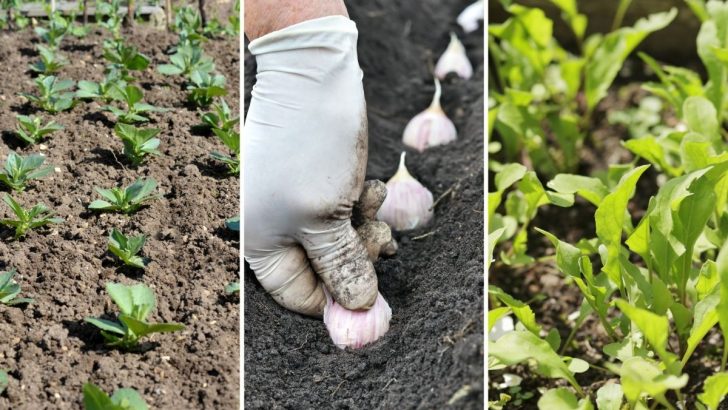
(188, 25)
(104, 90)
(123, 399)
(31, 130)
(126, 200)
(50, 61)
(53, 95)
(138, 142)
(4, 381)
(19, 170)
(109, 17)
(38, 216)
(131, 96)
(124, 58)
(187, 59)
(232, 287)
(231, 139)
(127, 248)
(54, 32)
(204, 87)
(135, 303)
(221, 117)
(233, 223)
(9, 290)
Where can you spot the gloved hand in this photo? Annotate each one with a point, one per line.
(305, 154)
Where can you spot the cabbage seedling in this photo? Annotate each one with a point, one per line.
(31, 130)
(124, 58)
(220, 117)
(231, 139)
(126, 200)
(53, 95)
(204, 87)
(9, 290)
(127, 248)
(50, 62)
(123, 399)
(187, 59)
(102, 90)
(132, 97)
(18, 170)
(38, 216)
(135, 302)
(138, 142)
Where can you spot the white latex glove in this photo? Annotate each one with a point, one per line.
(305, 155)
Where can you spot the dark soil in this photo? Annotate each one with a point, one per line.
(48, 349)
(434, 284)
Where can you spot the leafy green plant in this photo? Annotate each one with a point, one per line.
(204, 87)
(126, 200)
(135, 111)
(135, 303)
(19, 170)
(221, 117)
(53, 94)
(9, 291)
(231, 139)
(188, 25)
(54, 31)
(104, 90)
(124, 58)
(127, 248)
(31, 129)
(537, 81)
(50, 61)
(38, 216)
(123, 399)
(232, 287)
(138, 142)
(109, 17)
(186, 60)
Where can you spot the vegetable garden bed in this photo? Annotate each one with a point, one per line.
(48, 350)
(433, 352)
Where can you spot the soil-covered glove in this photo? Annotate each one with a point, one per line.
(305, 155)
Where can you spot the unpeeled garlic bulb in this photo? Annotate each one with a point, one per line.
(469, 17)
(408, 204)
(454, 60)
(356, 328)
(430, 127)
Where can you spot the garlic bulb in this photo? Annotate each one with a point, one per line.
(454, 60)
(356, 328)
(408, 203)
(430, 127)
(469, 17)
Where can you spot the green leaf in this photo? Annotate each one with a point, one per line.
(609, 397)
(705, 316)
(701, 117)
(610, 218)
(591, 189)
(640, 376)
(4, 381)
(129, 399)
(655, 328)
(520, 346)
(96, 399)
(522, 311)
(106, 325)
(714, 390)
(563, 399)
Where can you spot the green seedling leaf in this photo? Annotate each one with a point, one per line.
(31, 130)
(50, 62)
(591, 189)
(522, 311)
(9, 290)
(221, 117)
(135, 303)
(18, 170)
(36, 217)
(138, 142)
(704, 318)
(520, 346)
(53, 95)
(722, 266)
(204, 87)
(4, 381)
(231, 139)
(127, 248)
(715, 389)
(563, 399)
(609, 397)
(655, 328)
(610, 219)
(131, 96)
(232, 287)
(186, 60)
(123, 399)
(126, 200)
(640, 376)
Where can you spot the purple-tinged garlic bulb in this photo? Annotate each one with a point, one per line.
(454, 60)
(408, 204)
(431, 127)
(356, 328)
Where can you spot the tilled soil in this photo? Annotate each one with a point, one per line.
(47, 348)
(433, 352)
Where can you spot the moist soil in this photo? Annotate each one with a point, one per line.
(553, 299)
(49, 351)
(433, 352)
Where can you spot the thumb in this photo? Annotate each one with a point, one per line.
(337, 254)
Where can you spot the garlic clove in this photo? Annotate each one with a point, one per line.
(430, 127)
(454, 60)
(356, 328)
(408, 204)
(469, 17)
